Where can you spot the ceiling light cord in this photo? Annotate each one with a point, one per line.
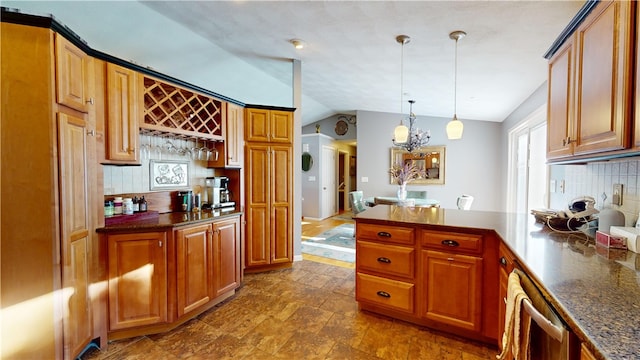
(455, 83)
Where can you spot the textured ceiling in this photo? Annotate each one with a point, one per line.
(352, 61)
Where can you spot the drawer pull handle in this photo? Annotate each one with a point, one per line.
(503, 261)
(384, 234)
(384, 260)
(451, 243)
(384, 294)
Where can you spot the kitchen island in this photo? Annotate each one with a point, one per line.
(596, 291)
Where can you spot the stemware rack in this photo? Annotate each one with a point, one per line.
(180, 113)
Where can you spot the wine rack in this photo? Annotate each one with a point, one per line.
(169, 109)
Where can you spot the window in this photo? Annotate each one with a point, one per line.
(528, 172)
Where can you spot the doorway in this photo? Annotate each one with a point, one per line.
(343, 180)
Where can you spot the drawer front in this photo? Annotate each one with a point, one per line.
(386, 259)
(386, 233)
(447, 241)
(392, 294)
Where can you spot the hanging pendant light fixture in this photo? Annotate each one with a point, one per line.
(455, 126)
(409, 138)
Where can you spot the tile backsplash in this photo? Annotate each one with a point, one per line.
(596, 180)
(135, 179)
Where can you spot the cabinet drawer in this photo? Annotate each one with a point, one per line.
(386, 233)
(396, 295)
(452, 241)
(386, 259)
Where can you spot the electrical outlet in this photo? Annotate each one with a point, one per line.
(552, 186)
(617, 195)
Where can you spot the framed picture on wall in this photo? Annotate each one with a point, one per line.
(168, 174)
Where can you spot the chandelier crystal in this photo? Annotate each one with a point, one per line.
(409, 138)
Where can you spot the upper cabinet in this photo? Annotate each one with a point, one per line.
(590, 83)
(72, 75)
(230, 151)
(123, 114)
(274, 126)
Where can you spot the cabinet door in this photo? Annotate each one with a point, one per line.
(453, 285)
(194, 266)
(227, 255)
(281, 124)
(123, 114)
(505, 267)
(257, 191)
(281, 213)
(257, 125)
(603, 53)
(234, 141)
(137, 279)
(559, 105)
(75, 226)
(72, 75)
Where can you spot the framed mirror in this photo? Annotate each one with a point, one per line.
(307, 161)
(431, 159)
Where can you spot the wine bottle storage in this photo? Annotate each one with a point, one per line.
(170, 109)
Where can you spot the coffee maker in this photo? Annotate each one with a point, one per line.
(218, 194)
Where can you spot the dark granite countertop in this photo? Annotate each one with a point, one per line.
(595, 290)
(168, 221)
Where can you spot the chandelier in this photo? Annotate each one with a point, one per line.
(409, 138)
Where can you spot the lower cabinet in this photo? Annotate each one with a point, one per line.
(137, 279)
(432, 278)
(453, 289)
(194, 267)
(158, 280)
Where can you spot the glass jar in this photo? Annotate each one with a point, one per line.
(108, 208)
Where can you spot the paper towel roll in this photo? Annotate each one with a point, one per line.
(608, 218)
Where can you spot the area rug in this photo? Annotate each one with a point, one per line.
(337, 243)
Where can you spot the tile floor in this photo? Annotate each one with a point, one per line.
(306, 312)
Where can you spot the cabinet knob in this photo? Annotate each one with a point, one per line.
(503, 261)
(384, 260)
(91, 132)
(383, 294)
(384, 234)
(90, 101)
(451, 243)
(160, 243)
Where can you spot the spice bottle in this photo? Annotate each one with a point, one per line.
(127, 206)
(143, 204)
(117, 205)
(108, 208)
(136, 204)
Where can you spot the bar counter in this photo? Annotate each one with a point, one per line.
(594, 289)
(167, 221)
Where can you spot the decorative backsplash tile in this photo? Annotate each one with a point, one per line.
(596, 180)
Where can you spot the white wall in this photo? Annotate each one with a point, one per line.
(472, 163)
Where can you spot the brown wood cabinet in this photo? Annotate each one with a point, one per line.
(72, 75)
(269, 189)
(594, 110)
(194, 266)
(75, 232)
(433, 278)
(273, 126)
(230, 151)
(226, 251)
(453, 289)
(137, 279)
(159, 280)
(123, 103)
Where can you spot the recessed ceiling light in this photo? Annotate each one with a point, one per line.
(297, 43)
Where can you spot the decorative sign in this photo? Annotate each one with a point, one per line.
(168, 174)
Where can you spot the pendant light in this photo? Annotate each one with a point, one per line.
(409, 138)
(455, 126)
